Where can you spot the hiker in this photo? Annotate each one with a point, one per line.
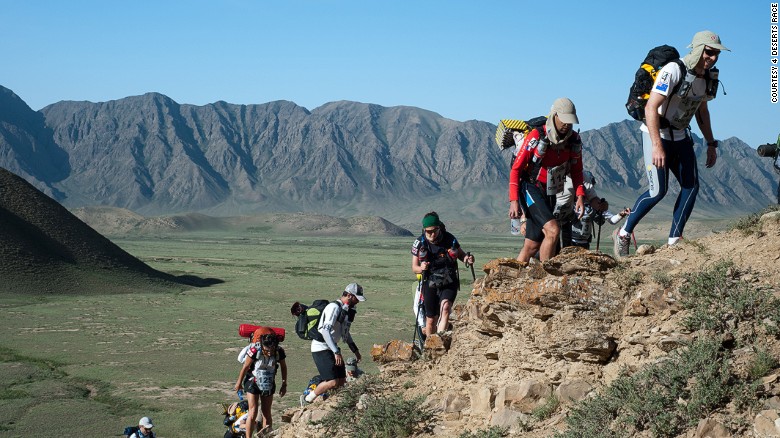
(435, 255)
(335, 325)
(353, 372)
(548, 154)
(258, 376)
(578, 231)
(144, 429)
(666, 135)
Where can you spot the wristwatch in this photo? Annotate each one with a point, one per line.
(713, 144)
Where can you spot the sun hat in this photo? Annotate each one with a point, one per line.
(707, 38)
(146, 422)
(565, 109)
(356, 290)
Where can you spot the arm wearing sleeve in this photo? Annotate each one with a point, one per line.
(576, 165)
(520, 165)
(347, 336)
(326, 325)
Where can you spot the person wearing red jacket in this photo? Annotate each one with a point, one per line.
(547, 154)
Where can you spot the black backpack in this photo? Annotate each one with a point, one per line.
(309, 319)
(645, 77)
(130, 431)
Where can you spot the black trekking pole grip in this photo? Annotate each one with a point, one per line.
(471, 265)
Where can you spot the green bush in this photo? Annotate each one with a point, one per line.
(750, 224)
(763, 362)
(380, 416)
(663, 279)
(546, 410)
(717, 302)
(492, 432)
(664, 398)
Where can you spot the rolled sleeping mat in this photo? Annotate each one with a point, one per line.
(246, 331)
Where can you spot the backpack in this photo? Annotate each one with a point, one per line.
(506, 129)
(309, 319)
(645, 76)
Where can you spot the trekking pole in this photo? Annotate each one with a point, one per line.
(418, 332)
(598, 237)
(599, 219)
(471, 265)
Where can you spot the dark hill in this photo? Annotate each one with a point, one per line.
(46, 249)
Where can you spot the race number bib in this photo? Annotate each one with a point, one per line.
(264, 380)
(556, 178)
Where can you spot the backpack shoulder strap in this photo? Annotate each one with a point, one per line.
(683, 71)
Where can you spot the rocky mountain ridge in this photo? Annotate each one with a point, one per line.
(152, 155)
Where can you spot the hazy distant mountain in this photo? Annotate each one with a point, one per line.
(27, 146)
(113, 221)
(152, 155)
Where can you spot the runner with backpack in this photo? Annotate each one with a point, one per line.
(261, 359)
(143, 430)
(680, 91)
(333, 324)
(547, 155)
(435, 256)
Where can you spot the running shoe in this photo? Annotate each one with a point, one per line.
(621, 244)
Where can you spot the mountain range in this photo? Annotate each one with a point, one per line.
(154, 156)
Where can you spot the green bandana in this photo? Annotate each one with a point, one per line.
(431, 221)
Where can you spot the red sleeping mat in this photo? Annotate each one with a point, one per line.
(246, 330)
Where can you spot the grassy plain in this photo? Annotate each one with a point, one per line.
(94, 364)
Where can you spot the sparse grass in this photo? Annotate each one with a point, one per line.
(492, 432)
(763, 362)
(378, 416)
(664, 398)
(626, 277)
(546, 410)
(700, 248)
(663, 279)
(669, 397)
(750, 224)
(746, 393)
(716, 301)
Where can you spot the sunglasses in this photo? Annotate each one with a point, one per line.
(432, 231)
(712, 52)
(268, 340)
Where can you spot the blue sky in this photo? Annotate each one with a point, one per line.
(484, 60)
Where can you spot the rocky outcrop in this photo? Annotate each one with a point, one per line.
(545, 336)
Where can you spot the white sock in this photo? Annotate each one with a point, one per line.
(673, 240)
(311, 396)
(623, 233)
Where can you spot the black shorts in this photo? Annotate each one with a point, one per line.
(537, 207)
(326, 365)
(434, 296)
(251, 387)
